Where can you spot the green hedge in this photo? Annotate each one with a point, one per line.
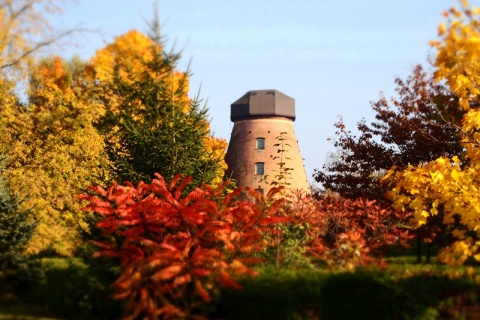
(359, 295)
(68, 289)
(72, 289)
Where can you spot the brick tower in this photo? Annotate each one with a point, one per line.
(263, 119)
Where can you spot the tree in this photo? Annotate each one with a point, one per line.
(418, 126)
(151, 124)
(53, 151)
(16, 229)
(448, 186)
(25, 29)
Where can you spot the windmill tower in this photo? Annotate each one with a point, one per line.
(263, 120)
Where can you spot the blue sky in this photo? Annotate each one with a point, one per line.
(333, 57)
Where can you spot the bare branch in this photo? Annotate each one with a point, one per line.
(37, 47)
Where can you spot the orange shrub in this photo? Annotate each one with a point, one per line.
(344, 233)
(176, 250)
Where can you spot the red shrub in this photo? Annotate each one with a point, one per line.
(345, 233)
(175, 250)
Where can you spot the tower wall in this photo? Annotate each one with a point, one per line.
(243, 154)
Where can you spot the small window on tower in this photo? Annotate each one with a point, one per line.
(259, 168)
(260, 143)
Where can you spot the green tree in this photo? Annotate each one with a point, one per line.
(151, 124)
(16, 229)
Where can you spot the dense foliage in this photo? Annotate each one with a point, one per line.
(16, 229)
(151, 125)
(418, 126)
(52, 150)
(364, 294)
(448, 186)
(337, 232)
(123, 115)
(175, 250)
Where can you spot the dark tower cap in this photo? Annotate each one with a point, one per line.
(257, 103)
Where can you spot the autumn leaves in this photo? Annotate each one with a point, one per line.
(123, 115)
(450, 185)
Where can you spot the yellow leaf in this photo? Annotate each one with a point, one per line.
(442, 29)
(425, 214)
(455, 175)
(436, 176)
(459, 234)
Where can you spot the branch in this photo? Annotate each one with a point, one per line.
(36, 47)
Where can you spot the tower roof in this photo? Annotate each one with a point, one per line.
(263, 103)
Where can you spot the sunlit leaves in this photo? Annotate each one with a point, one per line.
(421, 189)
(152, 125)
(53, 152)
(123, 57)
(176, 250)
(458, 53)
(449, 187)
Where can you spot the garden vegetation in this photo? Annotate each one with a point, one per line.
(113, 202)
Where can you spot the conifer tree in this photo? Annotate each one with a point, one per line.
(151, 124)
(15, 231)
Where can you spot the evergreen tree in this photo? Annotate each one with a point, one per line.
(15, 232)
(152, 125)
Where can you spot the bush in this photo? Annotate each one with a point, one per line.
(363, 294)
(274, 294)
(72, 289)
(175, 250)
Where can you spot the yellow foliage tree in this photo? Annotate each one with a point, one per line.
(216, 148)
(126, 60)
(123, 58)
(53, 152)
(451, 186)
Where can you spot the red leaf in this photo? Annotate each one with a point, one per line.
(201, 272)
(227, 281)
(201, 291)
(167, 273)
